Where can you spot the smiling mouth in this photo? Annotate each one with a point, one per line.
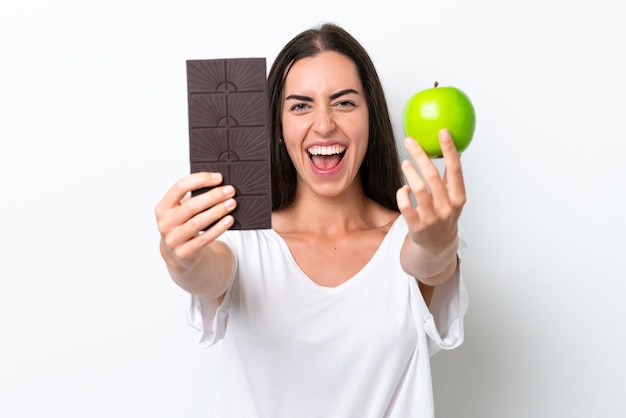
(326, 158)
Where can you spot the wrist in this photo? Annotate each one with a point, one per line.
(173, 264)
(427, 267)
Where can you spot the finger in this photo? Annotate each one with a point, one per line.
(180, 215)
(403, 198)
(186, 198)
(205, 208)
(189, 249)
(210, 216)
(411, 214)
(453, 175)
(180, 237)
(430, 174)
(212, 233)
(416, 183)
(433, 178)
(186, 184)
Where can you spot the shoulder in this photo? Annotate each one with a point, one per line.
(239, 240)
(389, 220)
(281, 219)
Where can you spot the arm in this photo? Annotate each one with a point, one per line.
(429, 252)
(210, 277)
(195, 260)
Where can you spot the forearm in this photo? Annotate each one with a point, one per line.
(210, 276)
(429, 268)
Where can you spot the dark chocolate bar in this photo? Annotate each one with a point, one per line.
(228, 132)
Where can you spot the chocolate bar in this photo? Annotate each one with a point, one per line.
(228, 132)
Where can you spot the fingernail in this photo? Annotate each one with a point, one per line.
(228, 190)
(409, 142)
(216, 176)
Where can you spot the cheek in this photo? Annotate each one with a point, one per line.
(294, 133)
(293, 147)
(288, 127)
(292, 150)
(356, 126)
(360, 136)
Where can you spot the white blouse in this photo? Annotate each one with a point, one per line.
(292, 348)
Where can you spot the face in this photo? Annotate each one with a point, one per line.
(325, 123)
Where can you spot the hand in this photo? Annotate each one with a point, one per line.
(181, 218)
(440, 200)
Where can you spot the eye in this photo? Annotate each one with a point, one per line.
(344, 105)
(299, 107)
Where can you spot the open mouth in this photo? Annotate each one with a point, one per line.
(326, 158)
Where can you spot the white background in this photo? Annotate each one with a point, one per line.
(93, 130)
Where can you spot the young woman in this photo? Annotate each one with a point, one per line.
(334, 311)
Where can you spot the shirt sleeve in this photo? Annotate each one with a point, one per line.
(208, 316)
(209, 319)
(444, 319)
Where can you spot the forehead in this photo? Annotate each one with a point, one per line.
(327, 70)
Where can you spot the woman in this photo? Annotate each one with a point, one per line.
(335, 310)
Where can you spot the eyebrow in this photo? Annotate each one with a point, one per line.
(332, 96)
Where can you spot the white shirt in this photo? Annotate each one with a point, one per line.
(292, 348)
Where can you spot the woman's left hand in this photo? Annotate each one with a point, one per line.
(440, 199)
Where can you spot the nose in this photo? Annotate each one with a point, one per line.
(324, 122)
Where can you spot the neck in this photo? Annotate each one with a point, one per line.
(331, 215)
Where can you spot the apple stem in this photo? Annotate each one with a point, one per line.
(436, 83)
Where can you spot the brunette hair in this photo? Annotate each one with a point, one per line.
(380, 171)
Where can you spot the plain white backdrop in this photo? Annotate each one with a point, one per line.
(93, 131)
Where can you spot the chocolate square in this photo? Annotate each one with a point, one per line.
(228, 132)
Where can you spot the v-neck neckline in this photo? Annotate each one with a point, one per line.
(348, 282)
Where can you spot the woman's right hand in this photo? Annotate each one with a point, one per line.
(181, 218)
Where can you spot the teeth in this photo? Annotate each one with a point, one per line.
(329, 150)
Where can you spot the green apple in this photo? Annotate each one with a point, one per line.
(430, 110)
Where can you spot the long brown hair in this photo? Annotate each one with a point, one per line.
(380, 171)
